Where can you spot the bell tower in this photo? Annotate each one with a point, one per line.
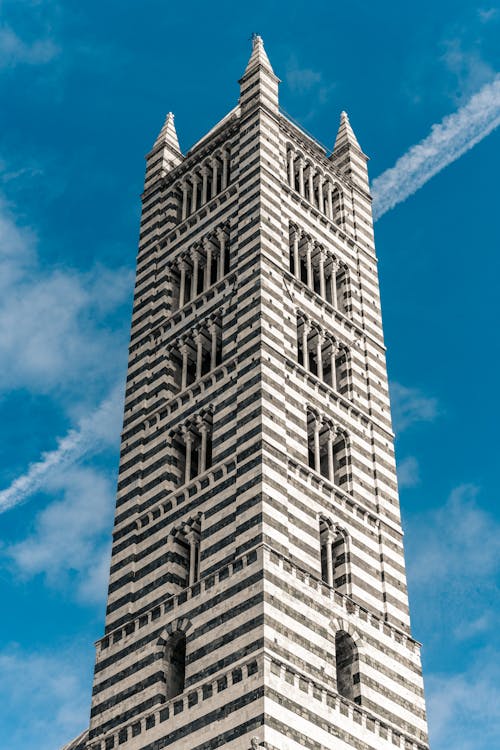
(257, 593)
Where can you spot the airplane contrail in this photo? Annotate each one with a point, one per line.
(447, 141)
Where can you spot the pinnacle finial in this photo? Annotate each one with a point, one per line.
(168, 135)
(259, 55)
(345, 134)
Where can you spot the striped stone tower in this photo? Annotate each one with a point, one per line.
(257, 593)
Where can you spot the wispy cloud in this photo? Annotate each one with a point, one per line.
(472, 628)
(49, 690)
(408, 472)
(486, 15)
(448, 140)
(69, 543)
(17, 51)
(309, 84)
(94, 432)
(455, 546)
(410, 405)
(463, 708)
(55, 323)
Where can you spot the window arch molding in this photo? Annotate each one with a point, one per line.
(339, 623)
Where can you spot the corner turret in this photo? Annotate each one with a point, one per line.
(347, 155)
(165, 154)
(259, 82)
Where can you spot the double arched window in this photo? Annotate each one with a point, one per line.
(328, 449)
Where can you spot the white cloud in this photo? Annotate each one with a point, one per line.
(94, 432)
(302, 80)
(48, 692)
(456, 546)
(69, 543)
(409, 405)
(310, 83)
(472, 628)
(488, 14)
(16, 51)
(468, 67)
(464, 708)
(408, 472)
(448, 140)
(53, 322)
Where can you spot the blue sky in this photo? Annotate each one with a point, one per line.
(84, 88)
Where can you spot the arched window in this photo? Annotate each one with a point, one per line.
(346, 660)
(175, 664)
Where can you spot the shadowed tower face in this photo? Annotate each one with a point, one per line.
(257, 592)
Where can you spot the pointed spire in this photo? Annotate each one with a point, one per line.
(258, 56)
(259, 84)
(165, 154)
(168, 135)
(345, 134)
(347, 156)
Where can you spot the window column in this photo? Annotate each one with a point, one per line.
(317, 450)
(329, 200)
(215, 168)
(225, 167)
(331, 462)
(182, 286)
(202, 461)
(301, 176)
(194, 194)
(322, 286)
(212, 327)
(198, 337)
(193, 554)
(291, 169)
(319, 353)
(196, 267)
(204, 188)
(334, 267)
(188, 442)
(185, 189)
(321, 199)
(296, 259)
(305, 350)
(207, 244)
(184, 349)
(221, 236)
(333, 367)
(329, 557)
(310, 175)
(310, 276)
